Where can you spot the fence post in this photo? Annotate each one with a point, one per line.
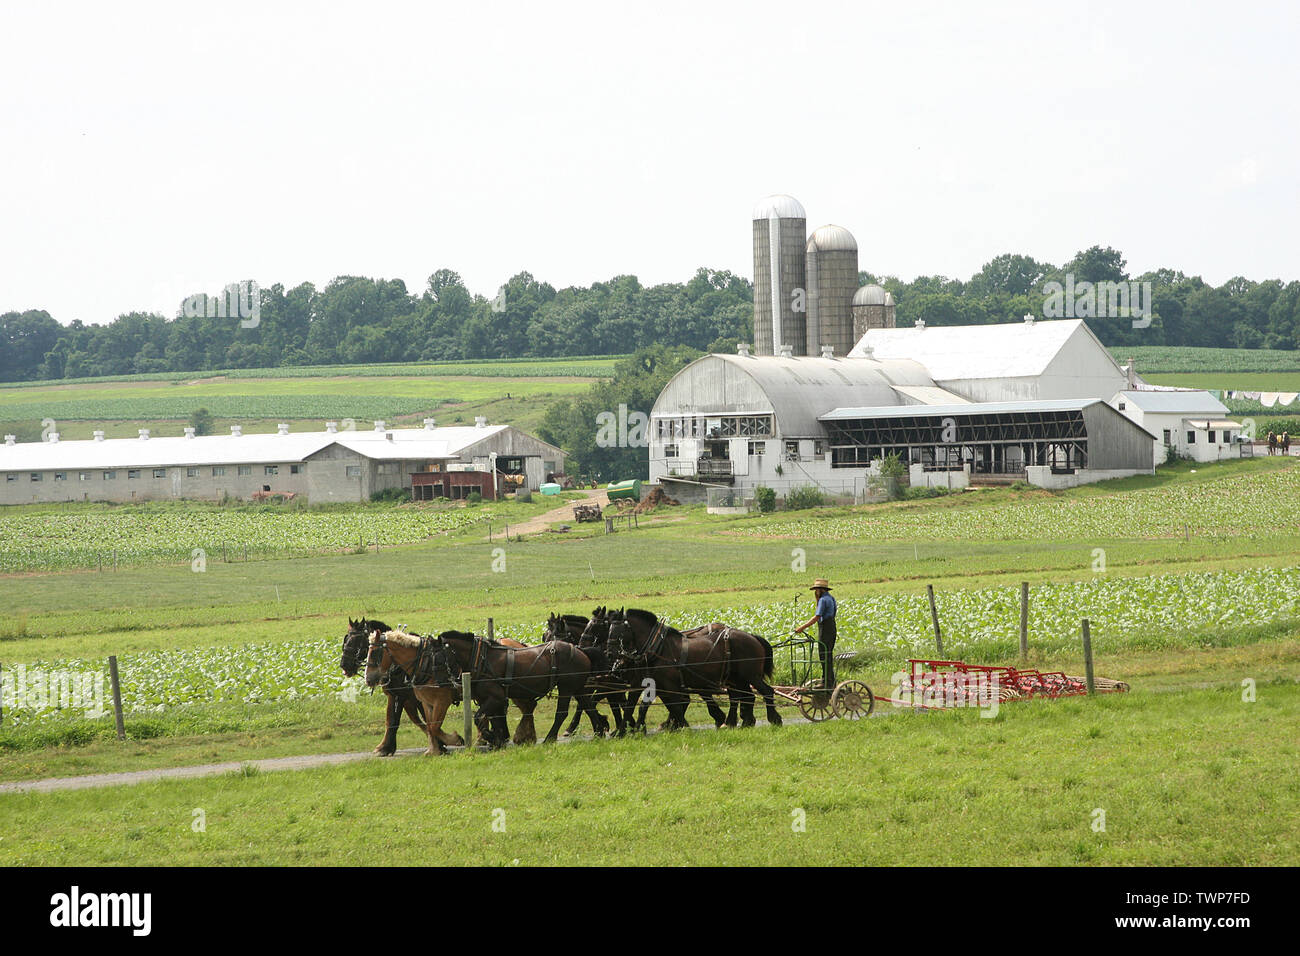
(117, 696)
(1024, 619)
(1087, 658)
(467, 701)
(490, 630)
(934, 616)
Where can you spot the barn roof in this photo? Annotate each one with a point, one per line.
(1186, 401)
(795, 390)
(954, 352)
(407, 443)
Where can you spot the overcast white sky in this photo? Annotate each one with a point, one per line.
(152, 150)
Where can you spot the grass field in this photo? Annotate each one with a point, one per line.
(513, 392)
(1189, 578)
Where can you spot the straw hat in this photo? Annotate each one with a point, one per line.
(820, 583)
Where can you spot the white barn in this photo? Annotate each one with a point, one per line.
(960, 404)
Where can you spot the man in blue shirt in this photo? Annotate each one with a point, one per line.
(824, 618)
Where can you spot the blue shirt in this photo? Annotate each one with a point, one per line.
(826, 607)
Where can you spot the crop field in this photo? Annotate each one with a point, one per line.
(1179, 358)
(1248, 504)
(65, 537)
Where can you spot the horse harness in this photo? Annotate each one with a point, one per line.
(479, 668)
(658, 638)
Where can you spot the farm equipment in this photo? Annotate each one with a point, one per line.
(940, 683)
(847, 700)
(587, 513)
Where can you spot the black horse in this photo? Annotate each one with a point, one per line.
(356, 644)
(499, 674)
(706, 661)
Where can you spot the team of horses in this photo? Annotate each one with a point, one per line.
(626, 659)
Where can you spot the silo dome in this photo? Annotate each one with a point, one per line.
(832, 239)
(871, 295)
(781, 206)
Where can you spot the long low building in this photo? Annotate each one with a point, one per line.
(329, 465)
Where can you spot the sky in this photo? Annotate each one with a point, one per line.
(149, 151)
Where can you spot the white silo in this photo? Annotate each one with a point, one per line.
(832, 267)
(873, 308)
(780, 230)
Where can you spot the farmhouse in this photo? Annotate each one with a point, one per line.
(1186, 423)
(330, 465)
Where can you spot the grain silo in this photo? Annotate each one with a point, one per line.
(873, 308)
(832, 267)
(780, 230)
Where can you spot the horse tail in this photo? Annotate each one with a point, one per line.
(768, 664)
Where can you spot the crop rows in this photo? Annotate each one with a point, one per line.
(1152, 359)
(978, 624)
(1254, 505)
(57, 540)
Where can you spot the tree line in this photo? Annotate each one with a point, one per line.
(361, 320)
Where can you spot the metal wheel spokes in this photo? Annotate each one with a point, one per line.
(853, 700)
(815, 704)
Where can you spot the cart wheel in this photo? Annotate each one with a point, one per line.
(853, 700)
(815, 704)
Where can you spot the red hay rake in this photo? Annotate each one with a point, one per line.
(942, 683)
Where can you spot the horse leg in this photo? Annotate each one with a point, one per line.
(743, 699)
(719, 718)
(441, 704)
(561, 711)
(435, 709)
(525, 731)
(412, 706)
(769, 698)
(392, 718)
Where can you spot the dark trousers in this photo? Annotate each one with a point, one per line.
(826, 634)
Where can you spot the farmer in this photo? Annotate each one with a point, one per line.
(824, 618)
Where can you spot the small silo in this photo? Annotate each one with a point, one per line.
(780, 231)
(832, 266)
(873, 308)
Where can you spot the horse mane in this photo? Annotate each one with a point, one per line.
(645, 617)
(574, 618)
(462, 635)
(401, 638)
(374, 625)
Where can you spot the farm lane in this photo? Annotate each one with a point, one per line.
(543, 521)
(303, 762)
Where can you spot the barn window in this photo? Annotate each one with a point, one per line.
(110, 476)
(271, 469)
(160, 472)
(296, 469)
(757, 449)
(819, 450)
(11, 477)
(37, 476)
(60, 476)
(670, 451)
(191, 472)
(245, 470)
(1191, 438)
(353, 471)
(83, 476)
(132, 474)
(1212, 438)
(1169, 437)
(218, 471)
(792, 451)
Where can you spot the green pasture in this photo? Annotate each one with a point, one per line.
(909, 788)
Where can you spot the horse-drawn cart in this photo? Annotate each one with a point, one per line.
(807, 690)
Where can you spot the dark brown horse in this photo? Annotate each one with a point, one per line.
(395, 685)
(718, 658)
(524, 675)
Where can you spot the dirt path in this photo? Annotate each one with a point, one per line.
(563, 513)
(305, 762)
